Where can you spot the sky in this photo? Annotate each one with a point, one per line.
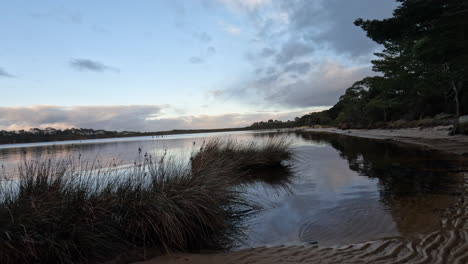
(150, 65)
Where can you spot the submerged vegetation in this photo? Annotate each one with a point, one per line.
(67, 213)
(422, 70)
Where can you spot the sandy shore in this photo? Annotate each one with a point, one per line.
(435, 138)
(449, 245)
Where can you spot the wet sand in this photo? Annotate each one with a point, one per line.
(435, 137)
(448, 244)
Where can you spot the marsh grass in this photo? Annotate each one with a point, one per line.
(249, 159)
(62, 212)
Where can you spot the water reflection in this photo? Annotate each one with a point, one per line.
(338, 189)
(351, 190)
(124, 150)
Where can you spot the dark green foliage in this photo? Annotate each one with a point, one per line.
(423, 68)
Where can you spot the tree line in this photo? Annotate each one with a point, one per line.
(422, 69)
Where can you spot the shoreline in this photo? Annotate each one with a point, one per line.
(435, 138)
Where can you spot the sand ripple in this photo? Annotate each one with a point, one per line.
(449, 244)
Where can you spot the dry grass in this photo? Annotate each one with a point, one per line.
(64, 213)
(249, 158)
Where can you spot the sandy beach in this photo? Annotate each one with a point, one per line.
(447, 245)
(434, 137)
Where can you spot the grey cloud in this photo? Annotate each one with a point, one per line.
(5, 74)
(331, 22)
(321, 86)
(91, 65)
(131, 117)
(292, 50)
(196, 60)
(268, 80)
(271, 70)
(300, 32)
(267, 52)
(297, 67)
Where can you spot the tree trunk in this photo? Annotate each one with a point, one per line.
(457, 102)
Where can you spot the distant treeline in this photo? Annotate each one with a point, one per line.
(51, 134)
(422, 69)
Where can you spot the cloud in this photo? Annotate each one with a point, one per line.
(299, 68)
(309, 51)
(267, 52)
(124, 117)
(231, 29)
(196, 60)
(5, 74)
(91, 65)
(132, 117)
(292, 50)
(240, 5)
(331, 23)
(321, 85)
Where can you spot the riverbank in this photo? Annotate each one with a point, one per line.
(433, 137)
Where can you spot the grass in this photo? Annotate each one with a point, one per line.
(63, 212)
(249, 159)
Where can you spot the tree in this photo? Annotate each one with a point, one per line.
(424, 38)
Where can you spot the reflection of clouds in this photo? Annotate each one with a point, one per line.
(328, 201)
(122, 150)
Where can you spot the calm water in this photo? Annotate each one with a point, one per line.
(343, 189)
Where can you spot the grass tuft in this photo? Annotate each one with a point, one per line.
(249, 159)
(62, 212)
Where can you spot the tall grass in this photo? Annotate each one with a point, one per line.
(64, 213)
(249, 159)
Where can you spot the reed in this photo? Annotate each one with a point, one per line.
(60, 212)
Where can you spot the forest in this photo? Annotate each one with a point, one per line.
(421, 72)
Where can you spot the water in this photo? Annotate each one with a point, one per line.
(343, 190)
(349, 190)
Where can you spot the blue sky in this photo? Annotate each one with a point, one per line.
(156, 65)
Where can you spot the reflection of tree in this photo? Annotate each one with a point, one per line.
(271, 134)
(400, 170)
(413, 182)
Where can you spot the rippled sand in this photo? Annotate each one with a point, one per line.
(447, 245)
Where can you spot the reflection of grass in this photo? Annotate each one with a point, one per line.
(61, 213)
